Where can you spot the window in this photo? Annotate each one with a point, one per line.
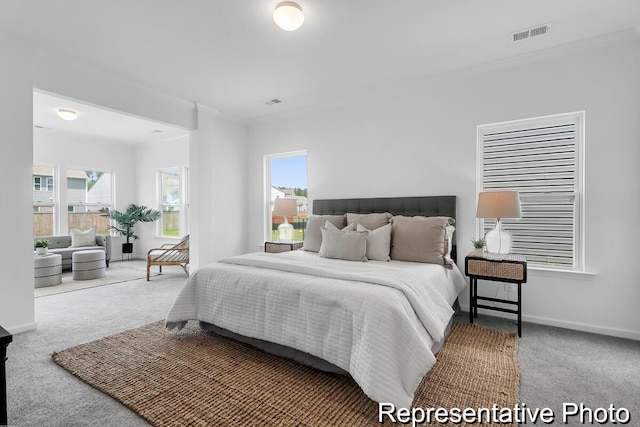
(89, 197)
(541, 158)
(286, 176)
(173, 222)
(43, 200)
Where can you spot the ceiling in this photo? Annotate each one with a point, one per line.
(229, 55)
(96, 121)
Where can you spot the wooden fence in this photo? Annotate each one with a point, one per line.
(170, 222)
(43, 222)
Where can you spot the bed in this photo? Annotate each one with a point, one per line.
(379, 321)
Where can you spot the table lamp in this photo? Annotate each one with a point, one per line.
(285, 208)
(499, 205)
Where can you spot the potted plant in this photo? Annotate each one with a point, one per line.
(126, 220)
(41, 246)
(479, 245)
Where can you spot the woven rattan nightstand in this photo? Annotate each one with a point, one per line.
(277, 247)
(498, 268)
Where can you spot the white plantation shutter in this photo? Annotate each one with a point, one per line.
(540, 158)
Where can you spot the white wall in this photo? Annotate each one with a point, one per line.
(151, 157)
(71, 151)
(91, 86)
(419, 138)
(218, 169)
(16, 212)
(23, 69)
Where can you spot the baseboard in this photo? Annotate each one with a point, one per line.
(577, 326)
(18, 329)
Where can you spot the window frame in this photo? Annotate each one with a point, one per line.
(578, 117)
(71, 208)
(267, 205)
(54, 204)
(183, 205)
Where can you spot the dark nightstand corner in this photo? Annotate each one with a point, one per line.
(277, 247)
(5, 339)
(498, 268)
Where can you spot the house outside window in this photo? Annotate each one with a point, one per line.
(89, 198)
(173, 204)
(286, 177)
(542, 159)
(44, 200)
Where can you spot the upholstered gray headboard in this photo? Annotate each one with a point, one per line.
(407, 206)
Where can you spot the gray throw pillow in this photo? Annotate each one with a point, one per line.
(421, 239)
(312, 233)
(378, 242)
(347, 245)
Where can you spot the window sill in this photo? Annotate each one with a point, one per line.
(551, 272)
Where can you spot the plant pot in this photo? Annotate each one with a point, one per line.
(41, 251)
(127, 248)
(478, 252)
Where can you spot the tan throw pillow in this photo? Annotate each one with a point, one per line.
(421, 239)
(312, 233)
(378, 242)
(347, 245)
(330, 226)
(81, 238)
(370, 221)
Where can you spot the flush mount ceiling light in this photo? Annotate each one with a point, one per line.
(67, 114)
(288, 15)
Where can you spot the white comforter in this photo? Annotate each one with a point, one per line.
(376, 320)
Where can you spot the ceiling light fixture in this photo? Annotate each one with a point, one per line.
(67, 114)
(288, 15)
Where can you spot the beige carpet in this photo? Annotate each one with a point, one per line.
(118, 272)
(194, 378)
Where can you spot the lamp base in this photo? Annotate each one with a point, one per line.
(285, 231)
(498, 240)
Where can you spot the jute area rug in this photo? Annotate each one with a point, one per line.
(196, 378)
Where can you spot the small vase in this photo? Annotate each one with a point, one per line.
(41, 251)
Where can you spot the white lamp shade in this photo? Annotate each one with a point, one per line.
(288, 15)
(499, 204)
(285, 207)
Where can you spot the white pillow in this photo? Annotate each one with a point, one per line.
(378, 242)
(81, 238)
(347, 245)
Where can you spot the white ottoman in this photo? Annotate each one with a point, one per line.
(47, 270)
(88, 264)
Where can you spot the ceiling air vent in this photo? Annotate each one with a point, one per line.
(272, 101)
(540, 30)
